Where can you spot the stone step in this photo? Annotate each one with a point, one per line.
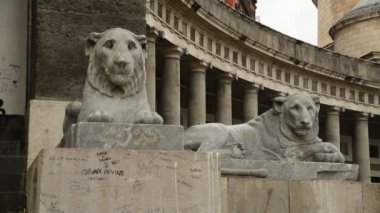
(12, 202)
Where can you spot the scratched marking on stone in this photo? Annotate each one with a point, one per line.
(9, 78)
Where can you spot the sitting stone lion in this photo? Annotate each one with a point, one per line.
(288, 131)
(114, 90)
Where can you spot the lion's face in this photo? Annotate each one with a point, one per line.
(299, 115)
(117, 62)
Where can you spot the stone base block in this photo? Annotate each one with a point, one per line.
(252, 195)
(285, 170)
(130, 136)
(100, 180)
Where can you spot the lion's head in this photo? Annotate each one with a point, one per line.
(298, 116)
(116, 62)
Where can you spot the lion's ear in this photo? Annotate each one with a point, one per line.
(91, 41)
(317, 102)
(277, 103)
(142, 40)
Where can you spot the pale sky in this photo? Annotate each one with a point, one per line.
(296, 18)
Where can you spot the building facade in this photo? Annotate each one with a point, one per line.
(206, 62)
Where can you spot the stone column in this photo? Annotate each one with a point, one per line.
(171, 86)
(197, 93)
(332, 126)
(361, 141)
(250, 104)
(150, 65)
(224, 100)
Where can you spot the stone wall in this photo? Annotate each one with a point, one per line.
(251, 195)
(60, 29)
(329, 12)
(352, 40)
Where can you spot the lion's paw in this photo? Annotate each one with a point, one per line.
(335, 157)
(99, 116)
(148, 118)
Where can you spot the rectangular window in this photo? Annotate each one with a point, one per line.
(227, 53)
(296, 80)
(333, 90)
(244, 60)
(287, 77)
(278, 74)
(269, 71)
(252, 64)
(374, 151)
(371, 98)
(261, 68)
(218, 48)
(168, 18)
(314, 85)
(151, 5)
(352, 94)
(176, 23)
(192, 34)
(160, 9)
(361, 96)
(324, 88)
(184, 29)
(235, 57)
(201, 39)
(342, 93)
(306, 83)
(209, 44)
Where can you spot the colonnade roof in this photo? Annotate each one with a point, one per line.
(217, 13)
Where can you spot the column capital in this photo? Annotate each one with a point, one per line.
(197, 66)
(252, 87)
(172, 52)
(335, 109)
(225, 77)
(152, 34)
(361, 116)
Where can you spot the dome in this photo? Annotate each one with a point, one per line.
(364, 9)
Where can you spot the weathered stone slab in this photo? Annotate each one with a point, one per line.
(325, 197)
(285, 170)
(99, 180)
(250, 195)
(371, 198)
(130, 136)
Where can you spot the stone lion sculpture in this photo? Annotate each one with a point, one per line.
(114, 90)
(286, 132)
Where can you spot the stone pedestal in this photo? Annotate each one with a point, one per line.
(100, 180)
(124, 136)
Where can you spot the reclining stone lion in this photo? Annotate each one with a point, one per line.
(288, 131)
(114, 90)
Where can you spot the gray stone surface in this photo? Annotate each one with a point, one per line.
(325, 197)
(99, 180)
(127, 136)
(284, 170)
(60, 31)
(247, 195)
(371, 198)
(287, 132)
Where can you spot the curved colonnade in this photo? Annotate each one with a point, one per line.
(214, 53)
